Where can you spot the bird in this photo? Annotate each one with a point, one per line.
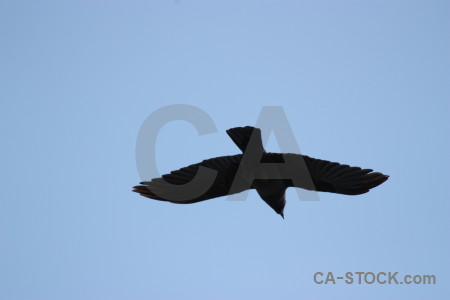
(236, 173)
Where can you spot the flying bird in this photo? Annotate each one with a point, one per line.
(236, 173)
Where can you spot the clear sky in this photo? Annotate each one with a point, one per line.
(364, 83)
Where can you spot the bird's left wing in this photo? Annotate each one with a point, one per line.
(159, 188)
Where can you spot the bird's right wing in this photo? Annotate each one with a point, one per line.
(158, 188)
(337, 178)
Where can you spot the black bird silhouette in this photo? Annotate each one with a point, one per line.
(326, 176)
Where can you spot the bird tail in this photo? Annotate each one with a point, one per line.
(242, 136)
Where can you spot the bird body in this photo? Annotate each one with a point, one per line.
(237, 173)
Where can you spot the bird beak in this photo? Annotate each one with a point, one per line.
(282, 215)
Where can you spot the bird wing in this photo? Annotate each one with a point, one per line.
(159, 188)
(337, 178)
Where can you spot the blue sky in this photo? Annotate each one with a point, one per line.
(362, 82)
